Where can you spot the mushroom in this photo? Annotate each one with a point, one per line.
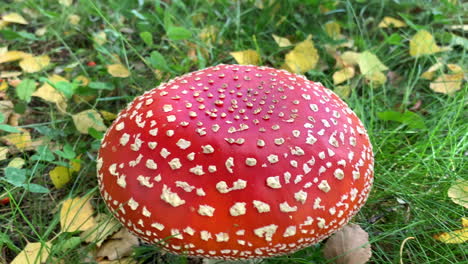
(235, 162)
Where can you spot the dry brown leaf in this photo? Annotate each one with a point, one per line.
(34, 64)
(128, 260)
(21, 140)
(88, 119)
(50, 94)
(13, 55)
(6, 109)
(350, 245)
(33, 253)
(282, 42)
(447, 83)
(423, 43)
(303, 57)
(118, 246)
(343, 75)
(14, 18)
(76, 214)
(459, 193)
(246, 57)
(391, 22)
(118, 70)
(106, 226)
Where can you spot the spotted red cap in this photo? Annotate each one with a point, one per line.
(236, 162)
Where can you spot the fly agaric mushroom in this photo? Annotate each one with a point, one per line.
(235, 162)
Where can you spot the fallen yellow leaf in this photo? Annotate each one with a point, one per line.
(391, 22)
(343, 75)
(16, 163)
(423, 43)
(118, 70)
(60, 176)
(33, 253)
(10, 74)
(246, 57)
(83, 80)
(76, 214)
(128, 260)
(3, 24)
(40, 31)
(88, 119)
(454, 68)
(333, 29)
(429, 74)
(282, 42)
(108, 115)
(370, 63)
(100, 38)
(348, 58)
(303, 57)
(447, 83)
(34, 64)
(14, 18)
(3, 86)
(377, 78)
(459, 193)
(50, 94)
(3, 153)
(20, 140)
(13, 55)
(66, 2)
(74, 19)
(106, 226)
(455, 237)
(343, 91)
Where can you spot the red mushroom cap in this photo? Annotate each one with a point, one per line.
(236, 162)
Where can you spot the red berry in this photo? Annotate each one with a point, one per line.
(91, 64)
(5, 201)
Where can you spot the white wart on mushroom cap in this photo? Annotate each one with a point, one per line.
(236, 162)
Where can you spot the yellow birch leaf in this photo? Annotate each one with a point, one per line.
(13, 55)
(423, 43)
(246, 57)
(50, 94)
(83, 80)
(333, 29)
(3, 153)
(459, 193)
(10, 74)
(66, 2)
(41, 31)
(33, 253)
(20, 140)
(3, 86)
(118, 70)
(108, 115)
(34, 64)
(3, 24)
(391, 22)
(429, 74)
(60, 176)
(369, 63)
(14, 18)
(303, 57)
(343, 91)
(106, 226)
(88, 119)
(76, 214)
(343, 75)
(454, 68)
(377, 78)
(348, 58)
(455, 237)
(74, 19)
(282, 42)
(100, 38)
(447, 83)
(16, 163)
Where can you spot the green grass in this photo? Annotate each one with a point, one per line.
(414, 167)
